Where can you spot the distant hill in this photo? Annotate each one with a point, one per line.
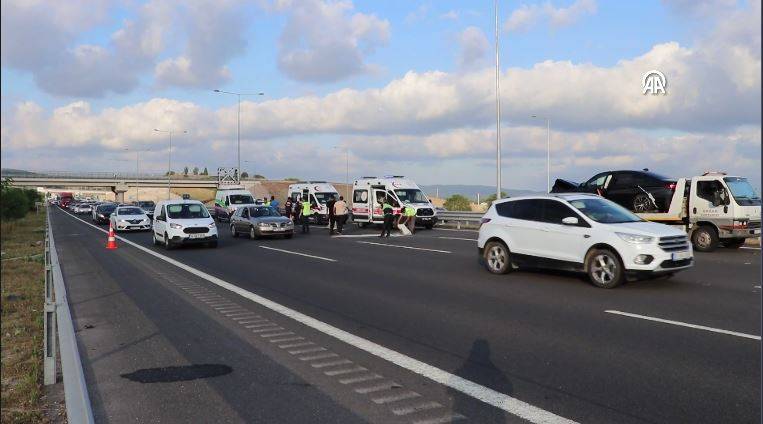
(19, 172)
(471, 191)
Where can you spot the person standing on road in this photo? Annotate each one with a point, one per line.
(410, 215)
(265, 201)
(307, 210)
(274, 203)
(287, 208)
(340, 213)
(330, 209)
(389, 218)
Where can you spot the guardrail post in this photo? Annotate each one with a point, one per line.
(49, 345)
(458, 225)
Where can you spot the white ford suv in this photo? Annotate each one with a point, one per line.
(179, 222)
(580, 232)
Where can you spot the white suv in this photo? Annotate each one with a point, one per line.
(179, 222)
(580, 232)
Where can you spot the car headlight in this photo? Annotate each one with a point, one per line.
(635, 238)
(123, 221)
(175, 226)
(212, 225)
(263, 224)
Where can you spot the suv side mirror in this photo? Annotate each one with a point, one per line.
(570, 220)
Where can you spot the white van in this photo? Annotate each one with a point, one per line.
(229, 199)
(180, 222)
(367, 193)
(319, 192)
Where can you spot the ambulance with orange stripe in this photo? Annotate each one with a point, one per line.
(368, 193)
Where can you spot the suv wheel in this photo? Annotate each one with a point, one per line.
(233, 231)
(497, 258)
(604, 268)
(642, 203)
(704, 239)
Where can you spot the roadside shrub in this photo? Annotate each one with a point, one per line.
(457, 202)
(14, 204)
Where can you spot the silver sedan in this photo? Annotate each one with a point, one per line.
(259, 221)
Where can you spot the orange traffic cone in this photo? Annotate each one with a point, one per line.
(112, 241)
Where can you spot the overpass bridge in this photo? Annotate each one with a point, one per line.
(116, 182)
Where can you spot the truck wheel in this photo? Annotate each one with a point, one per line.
(604, 268)
(642, 203)
(428, 226)
(735, 243)
(705, 239)
(497, 258)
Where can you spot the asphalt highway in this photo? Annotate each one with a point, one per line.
(684, 349)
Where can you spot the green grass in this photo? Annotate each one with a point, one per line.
(22, 290)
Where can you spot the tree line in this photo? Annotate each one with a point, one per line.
(16, 202)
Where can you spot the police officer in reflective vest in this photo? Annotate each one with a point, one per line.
(410, 216)
(388, 218)
(306, 212)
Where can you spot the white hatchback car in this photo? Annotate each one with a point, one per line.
(580, 232)
(129, 218)
(180, 222)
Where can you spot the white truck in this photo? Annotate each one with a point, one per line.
(319, 192)
(713, 209)
(368, 192)
(228, 198)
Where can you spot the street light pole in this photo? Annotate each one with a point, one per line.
(238, 125)
(497, 111)
(346, 170)
(548, 153)
(169, 160)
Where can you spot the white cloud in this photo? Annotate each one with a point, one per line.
(527, 16)
(326, 42)
(451, 15)
(473, 46)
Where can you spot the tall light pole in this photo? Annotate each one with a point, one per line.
(169, 159)
(548, 152)
(497, 110)
(238, 131)
(346, 169)
(137, 170)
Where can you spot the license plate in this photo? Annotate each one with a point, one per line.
(196, 236)
(677, 256)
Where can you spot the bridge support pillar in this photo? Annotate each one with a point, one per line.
(119, 192)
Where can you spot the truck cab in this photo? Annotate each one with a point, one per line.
(370, 192)
(229, 199)
(715, 209)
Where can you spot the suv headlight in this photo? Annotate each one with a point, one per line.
(212, 225)
(175, 226)
(635, 238)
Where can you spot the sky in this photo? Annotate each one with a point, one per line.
(394, 87)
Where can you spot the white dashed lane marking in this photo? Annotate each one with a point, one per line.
(684, 324)
(405, 247)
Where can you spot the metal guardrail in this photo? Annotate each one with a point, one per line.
(58, 320)
(470, 219)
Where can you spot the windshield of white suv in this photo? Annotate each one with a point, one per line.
(129, 211)
(411, 195)
(324, 197)
(187, 211)
(742, 191)
(604, 211)
(240, 199)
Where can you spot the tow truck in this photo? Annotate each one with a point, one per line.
(713, 208)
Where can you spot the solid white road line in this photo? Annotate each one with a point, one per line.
(298, 253)
(457, 238)
(455, 229)
(684, 324)
(484, 394)
(750, 248)
(404, 247)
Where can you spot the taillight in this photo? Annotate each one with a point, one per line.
(671, 186)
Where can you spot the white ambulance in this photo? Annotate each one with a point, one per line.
(368, 193)
(229, 198)
(319, 192)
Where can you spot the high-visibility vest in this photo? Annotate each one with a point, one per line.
(386, 206)
(267, 203)
(306, 210)
(410, 211)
